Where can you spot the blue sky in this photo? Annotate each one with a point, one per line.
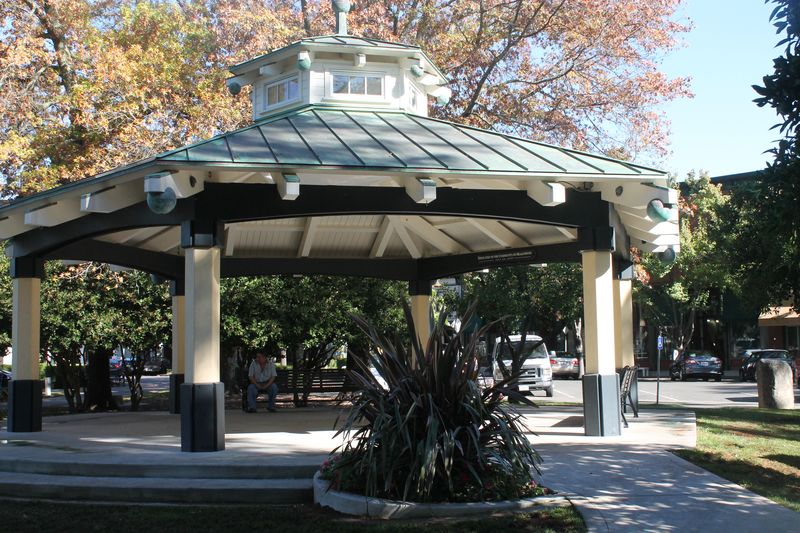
(730, 48)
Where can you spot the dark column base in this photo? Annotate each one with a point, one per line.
(601, 408)
(202, 417)
(24, 405)
(175, 382)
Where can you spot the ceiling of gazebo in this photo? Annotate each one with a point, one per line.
(360, 236)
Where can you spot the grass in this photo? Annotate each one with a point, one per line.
(22, 516)
(758, 449)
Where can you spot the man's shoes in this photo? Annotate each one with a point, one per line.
(251, 410)
(272, 410)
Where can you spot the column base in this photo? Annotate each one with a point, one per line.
(601, 407)
(175, 382)
(202, 417)
(24, 405)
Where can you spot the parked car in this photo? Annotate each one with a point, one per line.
(115, 369)
(696, 364)
(535, 373)
(156, 365)
(565, 364)
(748, 369)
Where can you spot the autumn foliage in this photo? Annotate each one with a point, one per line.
(87, 85)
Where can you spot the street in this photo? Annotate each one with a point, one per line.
(730, 392)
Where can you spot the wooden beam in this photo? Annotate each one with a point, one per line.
(658, 240)
(635, 195)
(231, 236)
(408, 242)
(164, 240)
(570, 233)
(428, 233)
(308, 237)
(382, 238)
(650, 226)
(113, 198)
(54, 213)
(495, 230)
(641, 214)
(12, 225)
(547, 193)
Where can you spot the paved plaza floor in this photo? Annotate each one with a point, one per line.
(626, 483)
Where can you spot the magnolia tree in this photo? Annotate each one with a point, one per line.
(309, 316)
(528, 299)
(88, 311)
(91, 84)
(762, 223)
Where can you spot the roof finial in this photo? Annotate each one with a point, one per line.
(341, 8)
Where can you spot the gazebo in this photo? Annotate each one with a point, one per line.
(341, 172)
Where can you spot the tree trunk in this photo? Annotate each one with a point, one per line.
(99, 397)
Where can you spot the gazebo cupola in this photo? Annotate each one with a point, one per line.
(341, 70)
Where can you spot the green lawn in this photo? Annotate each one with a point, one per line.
(57, 517)
(756, 448)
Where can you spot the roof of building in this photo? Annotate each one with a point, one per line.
(387, 140)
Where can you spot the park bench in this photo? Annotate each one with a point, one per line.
(625, 397)
(301, 381)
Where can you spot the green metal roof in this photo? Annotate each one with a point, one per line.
(316, 136)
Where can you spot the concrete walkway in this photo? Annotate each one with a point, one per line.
(627, 483)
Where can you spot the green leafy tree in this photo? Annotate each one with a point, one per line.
(762, 219)
(528, 299)
(88, 311)
(307, 315)
(672, 294)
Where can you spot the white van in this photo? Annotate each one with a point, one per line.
(536, 372)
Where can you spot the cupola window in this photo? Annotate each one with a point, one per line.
(357, 84)
(281, 92)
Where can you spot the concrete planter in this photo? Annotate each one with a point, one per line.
(354, 504)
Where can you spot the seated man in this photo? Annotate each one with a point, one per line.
(262, 376)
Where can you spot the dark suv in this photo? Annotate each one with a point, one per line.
(752, 357)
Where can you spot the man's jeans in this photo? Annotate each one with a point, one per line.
(252, 393)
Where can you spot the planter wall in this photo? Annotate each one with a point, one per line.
(354, 504)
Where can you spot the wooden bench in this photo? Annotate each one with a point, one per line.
(302, 381)
(625, 397)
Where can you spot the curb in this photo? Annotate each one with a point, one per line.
(595, 520)
(353, 504)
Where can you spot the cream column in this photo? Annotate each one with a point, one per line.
(25, 389)
(179, 334)
(598, 307)
(421, 312)
(202, 315)
(202, 402)
(601, 405)
(623, 318)
(25, 321)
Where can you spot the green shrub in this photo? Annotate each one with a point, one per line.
(431, 434)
